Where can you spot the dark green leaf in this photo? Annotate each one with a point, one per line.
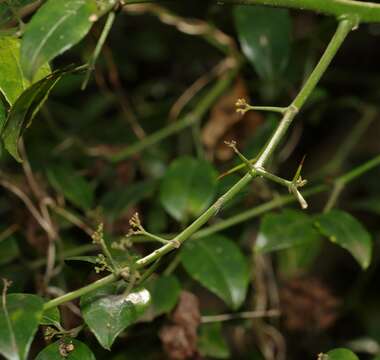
(108, 311)
(19, 319)
(344, 230)
(284, 230)
(164, 291)
(218, 264)
(88, 259)
(264, 34)
(73, 186)
(51, 317)
(12, 80)
(211, 342)
(298, 259)
(24, 110)
(80, 351)
(188, 188)
(56, 27)
(341, 354)
(3, 116)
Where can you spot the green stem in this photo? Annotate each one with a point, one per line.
(276, 109)
(234, 220)
(256, 211)
(344, 27)
(78, 293)
(196, 115)
(350, 141)
(366, 11)
(343, 180)
(369, 165)
(102, 39)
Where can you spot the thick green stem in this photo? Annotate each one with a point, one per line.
(344, 27)
(234, 220)
(78, 293)
(365, 11)
(248, 214)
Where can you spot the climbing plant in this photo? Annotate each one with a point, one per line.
(133, 257)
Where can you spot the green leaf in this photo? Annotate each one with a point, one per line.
(284, 230)
(56, 27)
(298, 259)
(12, 80)
(73, 186)
(218, 264)
(80, 351)
(264, 35)
(105, 5)
(24, 110)
(165, 292)
(51, 317)
(211, 342)
(3, 117)
(344, 230)
(19, 319)
(87, 259)
(187, 188)
(340, 354)
(108, 311)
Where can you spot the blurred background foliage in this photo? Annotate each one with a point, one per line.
(146, 65)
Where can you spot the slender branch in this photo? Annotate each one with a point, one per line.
(242, 107)
(194, 27)
(358, 171)
(342, 181)
(369, 113)
(366, 11)
(256, 211)
(239, 218)
(102, 39)
(241, 315)
(9, 231)
(78, 293)
(234, 220)
(344, 27)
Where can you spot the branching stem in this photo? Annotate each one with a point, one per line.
(345, 26)
(366, 12)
